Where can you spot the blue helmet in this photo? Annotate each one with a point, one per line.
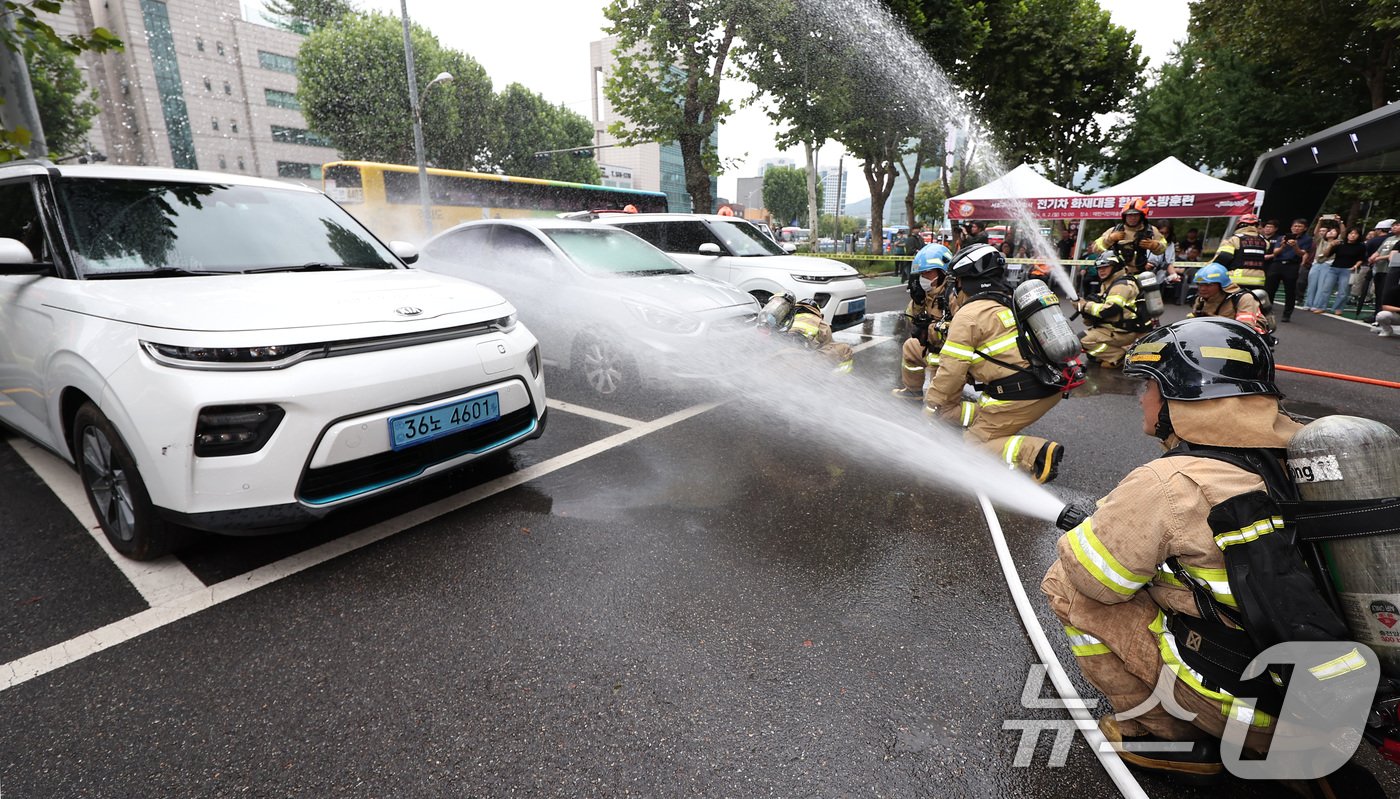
(1213, 273)
(932, 256)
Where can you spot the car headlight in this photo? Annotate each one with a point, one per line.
(505, 324)
(666, 321)
(813, 278)
(228, 358)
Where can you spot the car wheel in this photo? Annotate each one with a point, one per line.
(762, 296)
(604, 367)
(115, 490)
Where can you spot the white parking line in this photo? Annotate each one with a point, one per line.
(158, 581)
(592, 413)
(204, 597)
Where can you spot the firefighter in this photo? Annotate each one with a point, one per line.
(983, 347)
(1217, 295)
(1111, 314)
(1131, 580)
(1243, 254)
(1133, 238)
(801, 321)
(932, 301)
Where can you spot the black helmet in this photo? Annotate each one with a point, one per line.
(978, 262)
(1204, 358)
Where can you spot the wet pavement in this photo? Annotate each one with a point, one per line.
(716, 606)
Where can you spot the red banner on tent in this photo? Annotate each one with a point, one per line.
(1105, 207)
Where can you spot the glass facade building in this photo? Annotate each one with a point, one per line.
(172, 94)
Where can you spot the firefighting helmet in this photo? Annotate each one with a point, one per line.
(1204, 358)
(1136, 205)
(1213, 273)
(777, 312)
(1249, 220)
(806, 306)
(934, 256)
(979, 261)
(1110, 258)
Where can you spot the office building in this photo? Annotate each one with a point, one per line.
(655, 166)
(834, 188)
(201, 84)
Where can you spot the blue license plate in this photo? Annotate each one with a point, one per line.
(416, 428)
(856, 306)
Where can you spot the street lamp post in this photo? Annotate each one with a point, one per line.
(443, 77)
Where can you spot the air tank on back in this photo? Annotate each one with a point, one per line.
(1349, 458)
(1150, 289)
(1039, 308)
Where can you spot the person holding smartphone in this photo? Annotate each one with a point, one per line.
(1289, 250)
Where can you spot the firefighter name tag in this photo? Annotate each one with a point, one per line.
(1322, 469)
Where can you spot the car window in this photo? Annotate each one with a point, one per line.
(134, 227)
(19, 218)
(650, 231)
(467, 244)
(745, 239)
(603, 251)
(519, 250)
(687, 236)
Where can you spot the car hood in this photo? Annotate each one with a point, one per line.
(284, 300)
(804, 265)
(687, 293)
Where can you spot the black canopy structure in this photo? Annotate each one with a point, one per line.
(1297, 177)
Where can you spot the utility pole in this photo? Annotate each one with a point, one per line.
(840, 173)
(423, 195)
(19, 109)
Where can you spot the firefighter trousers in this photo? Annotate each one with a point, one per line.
(997, 428)
(916, 361)
(1119, 649)
(1107, 345)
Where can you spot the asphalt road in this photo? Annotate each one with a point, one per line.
(664, 599)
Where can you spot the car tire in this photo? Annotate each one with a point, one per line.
(604, 367)
(762, 296)
(115, 491)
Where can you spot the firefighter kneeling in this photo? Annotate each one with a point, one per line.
(801, 322)
(1112, 315)
(987, 347)
(932, 301)
(1174, 577)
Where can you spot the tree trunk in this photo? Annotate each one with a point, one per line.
(697, 178)
(879, 178)
(813, 213)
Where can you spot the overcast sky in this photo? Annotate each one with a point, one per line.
(543, 44)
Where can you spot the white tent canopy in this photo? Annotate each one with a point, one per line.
(1022, 187)
(1173, 189)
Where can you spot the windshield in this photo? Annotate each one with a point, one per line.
(138, 228)
(744, 239)
(608, 251)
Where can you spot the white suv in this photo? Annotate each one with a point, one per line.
(733, 250)
(232, 354)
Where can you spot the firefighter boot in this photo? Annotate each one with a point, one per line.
(1047, 462)
(1198, 765)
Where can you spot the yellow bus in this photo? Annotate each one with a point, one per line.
(386, 199)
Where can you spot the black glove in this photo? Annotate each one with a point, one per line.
(916, 291)
(921, 323)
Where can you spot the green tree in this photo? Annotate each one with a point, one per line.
(671, 55)
(305, 16)
(353, 88)
(530, 124)
(61, 96)
(798, 64)
(928, 201)
(24, 35)
(850, 225)
(785, 194)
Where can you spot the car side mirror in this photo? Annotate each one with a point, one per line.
(408, 253)
(788, 247)
(709, 248)
(15, 257)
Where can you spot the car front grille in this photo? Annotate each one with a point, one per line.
(345, 480)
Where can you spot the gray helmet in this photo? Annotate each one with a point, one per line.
(1204, 358)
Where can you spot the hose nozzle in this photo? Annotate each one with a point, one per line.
(1071, 517)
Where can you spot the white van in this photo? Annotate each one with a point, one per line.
(733, 250)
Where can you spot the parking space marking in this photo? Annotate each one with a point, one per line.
(602, 416)
(204, 597)
(158, 581)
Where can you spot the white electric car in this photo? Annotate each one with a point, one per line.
(733, 250)
(233, 354)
